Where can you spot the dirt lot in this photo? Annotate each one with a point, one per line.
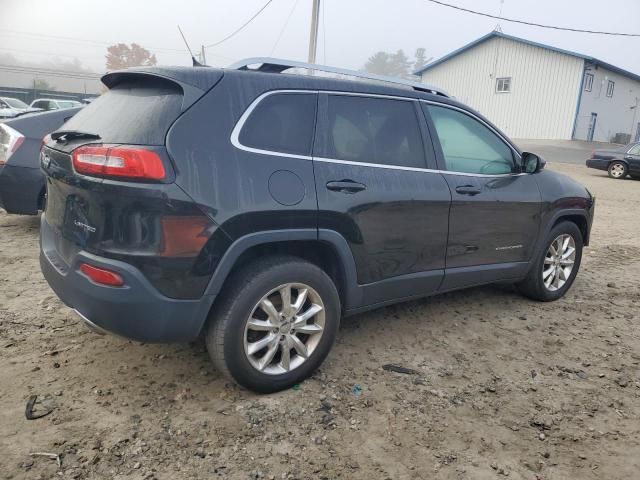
(502, 386)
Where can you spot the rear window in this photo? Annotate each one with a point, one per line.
(282, 122)
(137, 112)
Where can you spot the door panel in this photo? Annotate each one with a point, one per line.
(497, 225)
(495, 211)
(372, 187)
(397, 225)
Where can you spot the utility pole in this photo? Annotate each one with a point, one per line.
(313, 34)
(203, 58)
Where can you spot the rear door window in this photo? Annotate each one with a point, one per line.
(281, 123)
(468, 146)
(136, 112)
(373, 130)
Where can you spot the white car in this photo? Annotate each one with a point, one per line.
(54, 104)
(10, 107)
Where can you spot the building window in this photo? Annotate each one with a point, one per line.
(503, 85)
(588, 82)
(610, 87)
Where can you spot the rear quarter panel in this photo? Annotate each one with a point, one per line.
(230, 184)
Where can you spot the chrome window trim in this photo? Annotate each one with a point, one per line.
(413, 169)
(498, 134)
(235, 134)
(634, 146)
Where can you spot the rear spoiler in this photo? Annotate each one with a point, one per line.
(194, 82)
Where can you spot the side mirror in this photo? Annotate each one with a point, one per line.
(531, 163)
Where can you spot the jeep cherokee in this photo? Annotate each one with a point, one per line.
(259, 207)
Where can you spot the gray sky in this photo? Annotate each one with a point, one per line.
(350, 30)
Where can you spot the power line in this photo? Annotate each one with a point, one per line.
(53, 73)
(295, 4)
(522, 22)
(38, 36)
(82, 40)
(241, 27)
(324, 36)
(47, 54)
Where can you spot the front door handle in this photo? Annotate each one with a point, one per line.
(467, 190)
(345, 186)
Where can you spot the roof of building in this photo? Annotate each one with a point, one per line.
(498, 34)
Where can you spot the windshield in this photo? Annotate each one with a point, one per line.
(15, 103)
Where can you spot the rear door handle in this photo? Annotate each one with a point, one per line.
(467, 190)
(345, 186)
(628, 157)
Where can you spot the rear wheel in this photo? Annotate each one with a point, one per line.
(556, 267)
(618, 170)
(275, 323)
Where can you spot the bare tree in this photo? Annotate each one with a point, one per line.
(420, 59)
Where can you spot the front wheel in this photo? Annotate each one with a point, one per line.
(618, 170)
(557, 265)
(275, 323)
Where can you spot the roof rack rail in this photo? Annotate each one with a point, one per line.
(276, 65)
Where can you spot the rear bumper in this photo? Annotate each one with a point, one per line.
(136, 311)
(20, 189)
(598, 164)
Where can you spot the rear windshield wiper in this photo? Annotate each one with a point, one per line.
(69, 134)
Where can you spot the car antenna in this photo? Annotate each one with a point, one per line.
(196, 63)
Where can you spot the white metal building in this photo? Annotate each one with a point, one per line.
(531, 90)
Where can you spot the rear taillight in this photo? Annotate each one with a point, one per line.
(10, 141)
(126, 162)
(102, 275)
(184, 236)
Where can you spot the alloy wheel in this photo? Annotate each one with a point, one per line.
(284, 328)
(559, 262)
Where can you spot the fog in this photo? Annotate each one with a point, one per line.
(350, 31)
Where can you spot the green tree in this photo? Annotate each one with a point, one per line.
(123, 56)
(40, 84)
(391, 64)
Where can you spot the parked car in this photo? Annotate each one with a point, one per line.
(22, 189)
(12, 107)
(15, 103)
(54, 104)
(260, 207)
(619, 162)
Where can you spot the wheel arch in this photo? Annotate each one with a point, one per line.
(325, 248)
(579, 217)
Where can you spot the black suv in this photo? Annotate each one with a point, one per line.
(259, 207)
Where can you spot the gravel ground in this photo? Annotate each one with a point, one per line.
(500, 385)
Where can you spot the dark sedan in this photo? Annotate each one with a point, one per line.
(618, 163)
(22, 188)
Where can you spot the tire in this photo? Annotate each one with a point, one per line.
(229, 337)
(618, 170)
(534, 285)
